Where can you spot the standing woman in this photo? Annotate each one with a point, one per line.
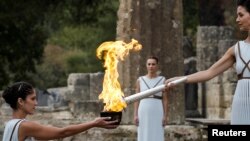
(238, 54)
(150, 113)
(21, 96)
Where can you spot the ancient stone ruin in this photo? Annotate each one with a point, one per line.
(191, 107)
(78, 101)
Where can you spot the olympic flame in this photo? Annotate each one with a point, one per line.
(112, 53)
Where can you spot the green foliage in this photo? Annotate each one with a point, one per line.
(22, 38)
(59, 63)
(52, 70)
(49, 76)
(190, 17)
(74, 27)
(78, 37)
(79, 61)
(83, 27)
(79, 43)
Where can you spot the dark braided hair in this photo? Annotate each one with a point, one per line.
(244, 3)
(15, 91)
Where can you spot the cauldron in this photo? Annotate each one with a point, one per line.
(113, 115)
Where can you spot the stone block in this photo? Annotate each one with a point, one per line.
(79, 86)
(86, 110)
(229, 76)
(96, 83)
(5, 110)
(78, 79)
(207, 33)
(227, 101)
(213, 101)
(59, 97)
(224, 45)
(215, 80)
(213, 90)
(229, 89)
(213, 112)
(52, 116)
(227, 113)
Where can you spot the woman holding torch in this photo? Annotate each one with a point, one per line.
(21, 96)
(150, 113)
(238, 54)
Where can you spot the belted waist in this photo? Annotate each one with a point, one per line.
(155, 96)
(241, 77)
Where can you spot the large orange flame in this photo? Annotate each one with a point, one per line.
(111, 53)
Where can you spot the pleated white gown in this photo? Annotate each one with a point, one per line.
(241, 101)
(150, 113)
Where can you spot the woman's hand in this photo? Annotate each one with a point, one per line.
(136, 120)
(164, 121)
(104, 122)
(169, 85)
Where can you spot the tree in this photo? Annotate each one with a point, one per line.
(78, 36)
(22, 38)
(27, 26)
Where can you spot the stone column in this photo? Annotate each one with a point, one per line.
(157, 25)
(211, 45)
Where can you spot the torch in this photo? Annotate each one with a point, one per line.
(138, 96)
(149, 92)
(112, 95)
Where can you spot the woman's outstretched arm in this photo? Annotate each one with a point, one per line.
(217, 68)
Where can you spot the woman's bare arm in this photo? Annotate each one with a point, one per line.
(42, 132)
(217, 68)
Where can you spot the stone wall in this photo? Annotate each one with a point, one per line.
(215, 95)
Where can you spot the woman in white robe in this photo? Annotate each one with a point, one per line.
(150, 113)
